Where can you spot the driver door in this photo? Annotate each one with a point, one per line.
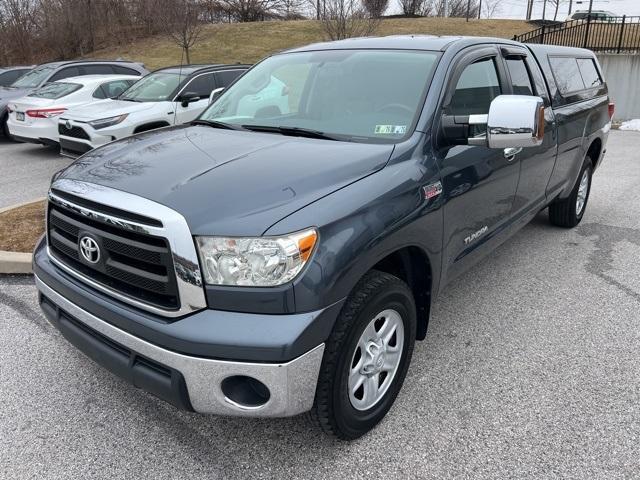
(479, 183)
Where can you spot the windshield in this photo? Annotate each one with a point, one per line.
(55, 90)
(155, 87)
(34, 78)
(359, 95)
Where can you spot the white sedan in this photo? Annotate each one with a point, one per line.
(34, 118)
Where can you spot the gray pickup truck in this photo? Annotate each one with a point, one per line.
(281, 254)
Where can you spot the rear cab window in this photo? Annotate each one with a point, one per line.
(567, 75)
(56, 90)
(589, 72)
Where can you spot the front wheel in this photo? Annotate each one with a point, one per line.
(366, 357)
(568, 213)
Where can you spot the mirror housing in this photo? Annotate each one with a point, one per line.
(214, 94)
(188, 97)
(515, 121)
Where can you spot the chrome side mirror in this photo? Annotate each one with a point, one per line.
(214, 93)
(515, 121)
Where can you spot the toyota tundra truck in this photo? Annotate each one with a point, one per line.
(281, 253)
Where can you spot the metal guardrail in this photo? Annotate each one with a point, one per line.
(615, 34)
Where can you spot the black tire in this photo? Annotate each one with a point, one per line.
(563, 213)
(332, 409)
(5, 128)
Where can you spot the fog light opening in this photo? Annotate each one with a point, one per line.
(245, 392)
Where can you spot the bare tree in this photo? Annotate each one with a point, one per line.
(183, 24)
(455, 8)
(556, 4)
(252, 10)
(342, 19)
(375, 8)
(491, 7)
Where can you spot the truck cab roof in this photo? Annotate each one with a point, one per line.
(408, 42)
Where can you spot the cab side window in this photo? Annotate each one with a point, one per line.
(476, 88)
(65, 73)
(202, 85)
(520, 78)
(227, 77)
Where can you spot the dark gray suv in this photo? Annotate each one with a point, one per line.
(8, 75)
(51, 72)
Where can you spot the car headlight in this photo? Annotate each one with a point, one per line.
(255, 261)
(108, 122)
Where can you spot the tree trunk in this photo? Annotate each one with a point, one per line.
(186, 55)
(555, 16)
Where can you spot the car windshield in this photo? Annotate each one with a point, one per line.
(356, 95)
(55, 90)
(155, 87)
(34, 78)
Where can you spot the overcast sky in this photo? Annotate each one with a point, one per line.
(517, 8)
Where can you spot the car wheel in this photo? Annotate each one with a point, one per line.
(568, 213)
(366, 357)
(5, 128)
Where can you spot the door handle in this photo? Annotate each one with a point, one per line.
(510, 153)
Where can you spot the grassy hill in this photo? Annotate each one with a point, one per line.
(249, 42)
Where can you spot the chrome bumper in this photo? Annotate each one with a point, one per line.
(292, 385)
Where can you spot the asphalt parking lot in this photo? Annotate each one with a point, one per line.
(530, 370)
(26, 170)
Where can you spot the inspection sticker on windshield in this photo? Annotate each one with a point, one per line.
(390, 129)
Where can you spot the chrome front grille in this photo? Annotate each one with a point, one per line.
(149, 262)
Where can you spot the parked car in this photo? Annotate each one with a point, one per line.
(168, 96)
(596, 15)
(8, 75)
(34, 118)
(51, 72)
(267, 263)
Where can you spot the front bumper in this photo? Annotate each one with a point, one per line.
(96, 138)
(187, 382)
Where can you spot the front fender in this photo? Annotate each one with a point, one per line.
(363, 223)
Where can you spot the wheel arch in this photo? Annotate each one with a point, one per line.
(145, 127)
(594, 151)
(412, 265)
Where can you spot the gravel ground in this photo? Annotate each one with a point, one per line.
(28, 165)
(530, 370)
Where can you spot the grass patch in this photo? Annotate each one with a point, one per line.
(21, 227)
(249, 42)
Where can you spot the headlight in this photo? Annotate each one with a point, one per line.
(108, 122)
(257, 261)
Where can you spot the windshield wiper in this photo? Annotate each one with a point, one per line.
(217, 124)
(290, 131)
(127, 99)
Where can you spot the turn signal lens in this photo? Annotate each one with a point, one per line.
(612, 109)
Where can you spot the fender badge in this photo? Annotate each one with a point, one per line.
(432, 190)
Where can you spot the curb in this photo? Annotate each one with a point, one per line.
(16, 262)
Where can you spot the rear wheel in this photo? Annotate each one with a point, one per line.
(568, 213)
(5, 127)
(366, 357)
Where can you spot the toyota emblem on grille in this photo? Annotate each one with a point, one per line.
(68, 125)
(89, 250)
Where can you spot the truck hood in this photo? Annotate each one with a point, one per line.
(228, 182)
(106, 108)
(7, 94)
